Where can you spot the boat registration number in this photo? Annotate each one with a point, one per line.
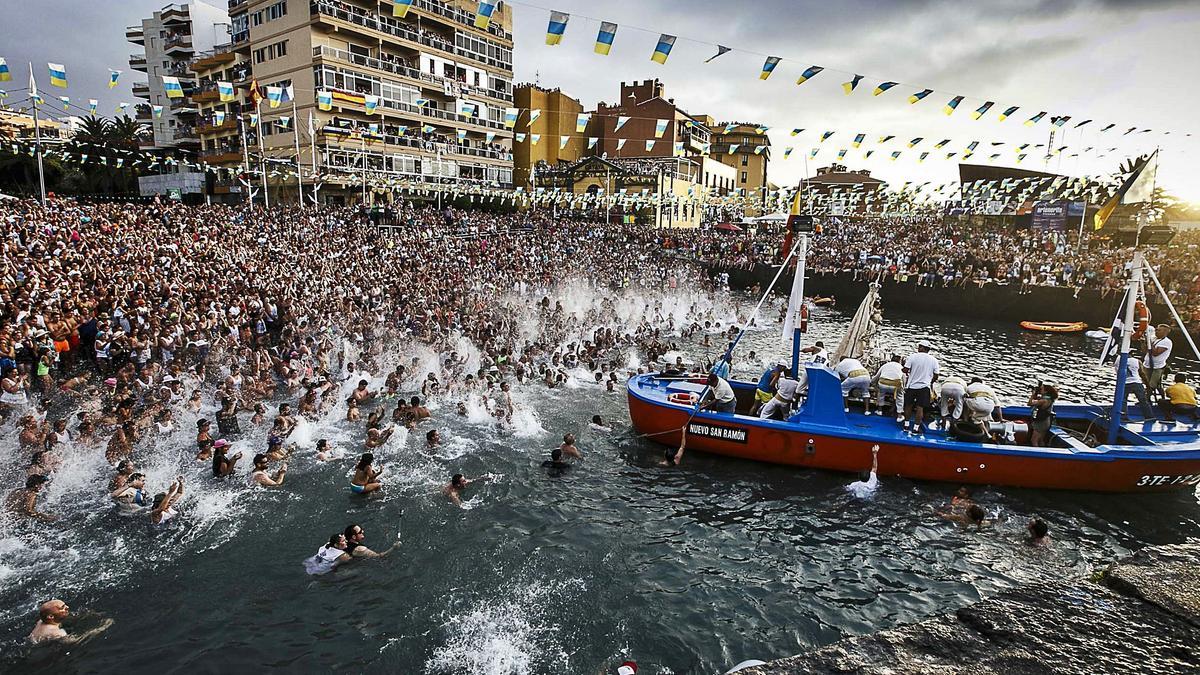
(735, 434)
(1153, 481)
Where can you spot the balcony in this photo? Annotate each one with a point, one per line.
(459, 16)
(234, 4)
(185, 134)
(137, 62)
(178, 42)
(215, 58)
(135, 35)
(240, 39)
(141, 90)
(230, 154)
(175, 14)
(399, 67)
(206, 127)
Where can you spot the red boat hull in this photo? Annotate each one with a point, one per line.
(748, 439)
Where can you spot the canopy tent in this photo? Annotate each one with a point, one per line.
(728, 227)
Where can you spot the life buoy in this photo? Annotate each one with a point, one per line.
(804, 317)
(683, 398)
(969, 432)
(1141, 315)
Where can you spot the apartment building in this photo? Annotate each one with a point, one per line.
(170, 39)
(439, 85)
(746, 147)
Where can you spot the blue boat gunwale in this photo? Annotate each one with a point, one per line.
(1179, 451)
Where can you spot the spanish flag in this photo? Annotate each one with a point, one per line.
(852, 84)
(557, 27)
(809, 73)
(604, 39)
(663, 49)
(884, 86)
(769, 67)
(1137, 187)
(952, 105)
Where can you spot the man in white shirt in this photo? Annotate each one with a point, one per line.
(950, 399)
(781, 403)
(853, 376)
(819, 355)
(889, 379)
(868, 481)
(1155, 360)
(724, 399)
(922, 371)
(981, 401)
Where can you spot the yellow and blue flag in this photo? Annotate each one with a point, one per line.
(66, 101)
(5, 74)
(58, 75)
(922, 157)
(787, 152)
(122, 107)
(275, 97)
(469, 109)
(157, 111)
(721, 51)
(604, 39)
(941, 144)
(400, 8)
(895, 155)
(813, 153)
(884, 86)
(796, 131)
(172, 87)
(428, 129)
(858, 139)
(562, 142)
(982, 110)
(461, 134)
(916, 140)
(581, 122)
(660, 128)
(852, 84)
(761, 129)
(510, 117)
(225, 91)
(592, 142)
(663, 49)
(1021, 157)
(557, 27)
(92, 105)
(621, 120)
(919, 95)
(971, 147)
(884, 139)
(952, 105)
(809, 73)
(867, 154)
(534, 114)
(650, 144)
(1035, 119)
(253, 119)
(483, 16)
(841, 154)
(825, 136)
(1060, 121)
(218, 118)
(1008, 112)
(534, 138)
(769, 67)
(370, 102)
(519, 137)
(113, 76)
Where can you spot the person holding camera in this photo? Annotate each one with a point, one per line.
(1042, 405)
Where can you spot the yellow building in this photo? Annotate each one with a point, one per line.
(15, 124)
(559, 114)
(746, 147)
(439, 83)
(218, 125)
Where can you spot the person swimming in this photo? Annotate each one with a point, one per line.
(366, 476)
(329, 556)
(555, 464)
(597, 424)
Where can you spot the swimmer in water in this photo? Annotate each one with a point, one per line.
(162, 511)
(51, 615)
(433, 439)
(454, 488)
(326, 453)
(355, 547)
(597, 424)
(22, 502)
(555, 464)
(261, 474)
(366, 476)
(133, 492)
(973, 515)
(377, 437)
(1039, 533)
(125, 469)
(222, 464)
(568, 447)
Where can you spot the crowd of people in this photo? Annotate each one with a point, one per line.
(116, 319)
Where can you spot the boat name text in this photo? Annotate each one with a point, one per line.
(735, 434)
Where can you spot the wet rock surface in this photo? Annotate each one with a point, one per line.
(1141, 618)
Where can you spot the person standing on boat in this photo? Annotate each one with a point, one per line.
(1133, 385)
(1041, 404)
(951, 399)
(922, 370)
(785, 393)
(889, 379)
(766, 388)
(819, 355)
(853, 375)
(1155, 360)
(723, 400)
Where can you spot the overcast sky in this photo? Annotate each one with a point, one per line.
(1126, 62)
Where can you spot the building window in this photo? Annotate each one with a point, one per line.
(270, 51)
(277, 10)
(743, 176)
(745, 161)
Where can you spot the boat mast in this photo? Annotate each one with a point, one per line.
(1131, 297)
(798, 292)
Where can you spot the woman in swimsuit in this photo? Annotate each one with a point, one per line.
(162, 512)
(366, 476)
(204, 441)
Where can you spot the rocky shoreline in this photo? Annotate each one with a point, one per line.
(1141, 615)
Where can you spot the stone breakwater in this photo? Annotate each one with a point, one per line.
(1141, 615)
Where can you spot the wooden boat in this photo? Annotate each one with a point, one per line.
(1148, 456)
(1055, 326)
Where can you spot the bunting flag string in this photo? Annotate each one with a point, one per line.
(721, 50)
(557, 27)
(663, 49)
(769, 67)
(606, 37)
